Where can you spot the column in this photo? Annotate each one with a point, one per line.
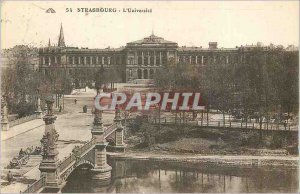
(73, 60)
(142, 58)
(148, 58)
(55, 59)
(190, 59)
(49, 60)
(196, 59)
(160, 62)
(49, 163)
(102, 171)
(136, 58)
(154, 58)
(44, 61)
(84, 62)
(4, 113)
(227, 59)
(202, 59)
(91, 60)
(97, 60)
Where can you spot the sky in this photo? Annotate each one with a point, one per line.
(195, 23)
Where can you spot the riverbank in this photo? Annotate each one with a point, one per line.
(220, 160)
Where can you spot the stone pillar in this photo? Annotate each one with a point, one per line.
(148, 58)
(102, 171)
(196, 62)
(84, 60)
(142, 58)
(49, 163)
(97, 60)
(202, 60)
(49, 60)
(39, 110)
(4, 113)
(119, 135)
(73, 60)
(44, 61)
(154, 58)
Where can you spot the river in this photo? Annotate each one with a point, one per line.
(131, 176)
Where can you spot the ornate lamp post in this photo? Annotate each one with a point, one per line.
(49, 164)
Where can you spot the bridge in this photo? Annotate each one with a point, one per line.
(91, 155)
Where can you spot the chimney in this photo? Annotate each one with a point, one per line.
(213, 45)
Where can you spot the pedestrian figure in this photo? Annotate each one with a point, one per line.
(75, 101)
(9, 177)
(284, 124)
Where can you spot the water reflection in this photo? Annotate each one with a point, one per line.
(145, 176)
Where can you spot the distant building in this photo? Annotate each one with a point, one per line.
(137, 60)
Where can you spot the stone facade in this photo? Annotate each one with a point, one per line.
(137, 60)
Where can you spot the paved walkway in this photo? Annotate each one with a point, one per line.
(22, 128)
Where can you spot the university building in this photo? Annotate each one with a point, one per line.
(137, 60)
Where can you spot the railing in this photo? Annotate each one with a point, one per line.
(23, 120)
(227, 124)
(36, 186)
(109, 130)
(71, 158)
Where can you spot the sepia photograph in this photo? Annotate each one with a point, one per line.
(149, 96)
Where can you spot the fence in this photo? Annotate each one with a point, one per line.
(23, 120)
(36, 186)
(226, 124)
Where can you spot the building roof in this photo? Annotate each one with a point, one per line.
(152, 39)
(205, 49)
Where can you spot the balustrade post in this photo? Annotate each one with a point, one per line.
(119, 135)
